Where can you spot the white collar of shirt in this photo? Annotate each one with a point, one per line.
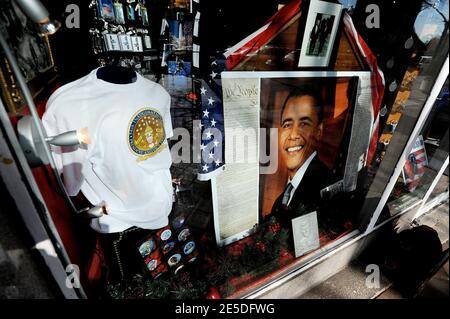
(299, 175)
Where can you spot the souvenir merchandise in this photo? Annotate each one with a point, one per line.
(131, 123)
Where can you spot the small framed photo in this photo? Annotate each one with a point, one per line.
(415, 165)
(320, 33)
(305, 231)
(106, 10)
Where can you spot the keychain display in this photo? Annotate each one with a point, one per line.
(144, 13)
(106, 10)
(112, 42)
(125, 42)
(147, 41)
(138, 12)
(131, 17)
(118, 12)
(136, 42)
(96, 40)
(131, 13)
(122, 27)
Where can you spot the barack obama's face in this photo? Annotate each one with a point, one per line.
(301, 129)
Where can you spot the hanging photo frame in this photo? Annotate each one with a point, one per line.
(106, 10)
(118, 13)
(321, 27)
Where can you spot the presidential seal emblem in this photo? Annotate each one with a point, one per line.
(146, 134)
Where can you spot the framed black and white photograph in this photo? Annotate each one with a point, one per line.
(320, 33)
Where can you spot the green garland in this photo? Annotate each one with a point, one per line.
(256, 259)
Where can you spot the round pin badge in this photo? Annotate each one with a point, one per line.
(168, 247)
(184, 234)
(147, 247)
(152, 264)
(189, 248)
(165, 235)
(174, 259)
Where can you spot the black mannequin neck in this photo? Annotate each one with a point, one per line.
(116, 74)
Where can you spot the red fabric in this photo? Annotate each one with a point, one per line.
(277, 21)
(95, 265)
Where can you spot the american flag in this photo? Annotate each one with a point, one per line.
(415, 165)
(212, 148)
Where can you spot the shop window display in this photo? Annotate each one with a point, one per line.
(325, 94)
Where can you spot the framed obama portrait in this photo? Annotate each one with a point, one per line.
(308, 129)
(319, 34)
(321, 143)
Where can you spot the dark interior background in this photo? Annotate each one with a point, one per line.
(223, 24)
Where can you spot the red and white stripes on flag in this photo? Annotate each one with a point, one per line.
(415, 165)
(421, 158)
(237, 54)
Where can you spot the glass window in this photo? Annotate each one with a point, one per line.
(350, 97)
(424, 161)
